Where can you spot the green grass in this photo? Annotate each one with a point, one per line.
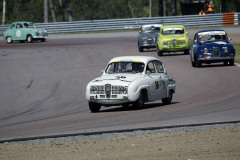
(237, 56)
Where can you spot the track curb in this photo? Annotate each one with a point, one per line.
(112, 131)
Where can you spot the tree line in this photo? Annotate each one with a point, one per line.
(78, 10)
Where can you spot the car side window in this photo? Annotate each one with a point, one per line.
(19, 25)
(159, 67)
(12, 26)
(151, 67)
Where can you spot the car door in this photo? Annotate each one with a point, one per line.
(162, 80)
(19, 32)
(153, 80)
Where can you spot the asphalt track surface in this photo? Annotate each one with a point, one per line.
(42, 88)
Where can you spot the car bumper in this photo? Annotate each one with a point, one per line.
(148, 45)
(215, 59)
(174, 49)
(39, 37)
(113, 100)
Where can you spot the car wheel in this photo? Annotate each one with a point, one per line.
(186, 52)
(198, 64)
(125, 106)
(231, 62)
(43, 40)
(168, 100)
(160, 53)
(9, 40)
(140, 49)
(193, 62)
(139, 103)
(29, 38)
(225, 63)
(94, 107)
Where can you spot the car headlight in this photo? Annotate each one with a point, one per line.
(183, 42)
(123, 90)
(225, 49)
(205, 50)
(165, 43)
(36, 31)
(93, 90)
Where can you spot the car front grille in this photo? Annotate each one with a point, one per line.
(174, 42)
(149, 40)
(108, 90)
(216, 52)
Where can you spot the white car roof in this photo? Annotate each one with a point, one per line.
(143, 59)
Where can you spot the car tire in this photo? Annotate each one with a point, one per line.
(186, 52)
(140, 49)
(9, 40)
(139, 103)
(231, 62)
(125, 106)
(29, 39)
(160, 53)
(198, 64)
(225, 63)
(168, 99)
(43, 39)
(193, 62)
(94, 107)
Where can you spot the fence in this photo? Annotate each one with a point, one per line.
(218, 19)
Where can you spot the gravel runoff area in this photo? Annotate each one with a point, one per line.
(206, 142)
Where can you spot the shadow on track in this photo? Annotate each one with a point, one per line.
(130, 108)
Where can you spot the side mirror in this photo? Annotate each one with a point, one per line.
(102, 71)
(186, 32)
(195, 41)
(229, 39)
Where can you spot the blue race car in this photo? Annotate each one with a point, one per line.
(212, 46)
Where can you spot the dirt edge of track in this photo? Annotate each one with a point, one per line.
(199, 142)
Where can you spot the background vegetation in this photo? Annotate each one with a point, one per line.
(77, 10)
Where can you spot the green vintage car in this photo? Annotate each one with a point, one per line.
(173, 38)
(24, 31)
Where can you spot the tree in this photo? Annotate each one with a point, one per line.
(4, 12)
(52, 11)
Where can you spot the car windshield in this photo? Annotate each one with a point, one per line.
(146, 29)
(125, 67)
(167, 31)
(205, 37)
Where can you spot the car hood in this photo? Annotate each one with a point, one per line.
(149, 34)
(216, 44)
(118, 78)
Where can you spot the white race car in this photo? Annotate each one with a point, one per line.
(130, 80)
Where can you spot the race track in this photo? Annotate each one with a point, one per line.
(42, 88)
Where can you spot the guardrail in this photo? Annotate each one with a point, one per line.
(218, 19)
